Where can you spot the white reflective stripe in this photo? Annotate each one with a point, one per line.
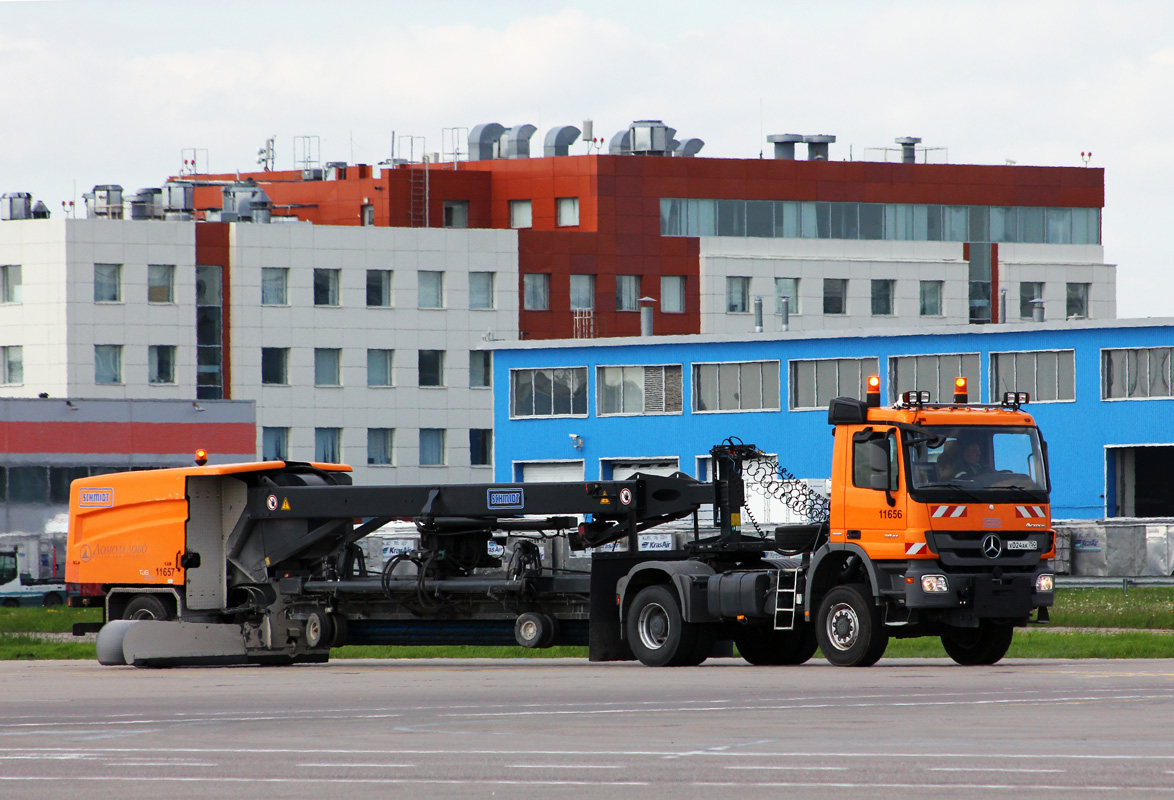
(940, 511)
(1022, 511)
(959, 511)
(915, 548)
(1039, 511)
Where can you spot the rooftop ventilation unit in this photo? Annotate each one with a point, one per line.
(651, 137)
(244, 202)
(335, 170)
(817, 145)
(104, 202)
(515, 143)
(179, 201)
(559, 140)
(16, 205)
(908, 148)
(144, 204)
(483, 141)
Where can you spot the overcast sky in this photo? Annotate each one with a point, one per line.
(113, 92)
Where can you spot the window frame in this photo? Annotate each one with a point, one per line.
(387, 445)
(440, 365)
(284, 273)
(11, 291)
(117, 283)
(337, 445)
(486, 444)
(693, 387)
(895, 387)
(572, 415)
(536, 291)
(169, 271)
(153, 352)
(116, 351)
(443, 447)
(491, 278)
(285, 352)
(1105, 351)
(792, 389)
(486, 368)
(521, 214)
(921, 284)
(590, 280)
(283, 438)
(384, 287)
(737, 294)
(620, 294)
(6, 364)
(889, 296)
(843, 297)
(996, 394)
(389, 356)
(682, 282)
(439, 288)
(568, 206)
(600, 386)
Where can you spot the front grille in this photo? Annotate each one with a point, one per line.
(969, 548)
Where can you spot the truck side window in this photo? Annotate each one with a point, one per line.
(869, 459)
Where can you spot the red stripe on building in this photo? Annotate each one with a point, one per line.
(238, 438)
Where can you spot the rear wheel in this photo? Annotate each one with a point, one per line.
(11, 602)
(657, 633)
(535, 630)
(146, 606)
(981, 646)
(52, 599)
(849, 628)
(763, 646)
(319, 632)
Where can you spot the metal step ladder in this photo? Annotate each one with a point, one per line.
(787, 598)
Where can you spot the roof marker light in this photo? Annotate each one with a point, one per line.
(201, 457)
(872, 392)
(960, 394)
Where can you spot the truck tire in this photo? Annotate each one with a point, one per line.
(849, 628)
(11, 602)
(52, 599)
(657, 633)
(981, 646)
(319, 630)
(535, 630)
(146, 606)
(762, 646)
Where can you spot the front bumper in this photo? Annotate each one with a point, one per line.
(970, 595)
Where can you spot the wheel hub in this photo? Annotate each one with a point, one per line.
(843, 626)
(653, 626)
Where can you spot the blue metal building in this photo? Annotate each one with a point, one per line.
(1101, 394)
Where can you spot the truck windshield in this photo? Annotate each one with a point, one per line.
(992, 458)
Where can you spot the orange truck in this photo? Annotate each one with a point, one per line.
(938, 524)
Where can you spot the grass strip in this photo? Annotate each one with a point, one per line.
(32, 648)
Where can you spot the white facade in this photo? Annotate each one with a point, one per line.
(906, 263)
(352, 327)
(58, 326)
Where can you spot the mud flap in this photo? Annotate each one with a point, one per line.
(157, 643)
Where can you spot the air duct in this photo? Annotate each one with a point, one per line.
(483, 141)
(515, 143)
(785, 145)
(559, 140)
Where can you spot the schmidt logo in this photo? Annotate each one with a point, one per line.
(506, 498)
(96, 498)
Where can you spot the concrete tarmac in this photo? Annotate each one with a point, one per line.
(568, 728)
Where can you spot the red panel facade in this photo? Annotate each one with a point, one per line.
(619, 210)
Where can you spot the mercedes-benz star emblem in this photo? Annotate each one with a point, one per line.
(992, 546)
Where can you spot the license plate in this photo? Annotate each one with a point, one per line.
(1022, 544)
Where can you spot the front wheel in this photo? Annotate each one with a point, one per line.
(146, 606)
(657, 633)
(981, 646)
(849, 628)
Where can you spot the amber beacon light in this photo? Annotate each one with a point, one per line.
(201, 457)
(872, 392)
(960, 393)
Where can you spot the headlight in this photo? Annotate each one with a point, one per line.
(934, 584)
(1045, 583)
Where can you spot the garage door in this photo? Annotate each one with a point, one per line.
(621, 470)
(551, 471)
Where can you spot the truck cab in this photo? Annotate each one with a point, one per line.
(939, 524)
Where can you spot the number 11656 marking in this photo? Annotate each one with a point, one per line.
(890, 513)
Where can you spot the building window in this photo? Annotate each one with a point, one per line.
(274, 286)
(367, 214)
(627, 292)
(788, 288)
(737, 295)
(107, 363)
(1140, 373)
(380, 446)
(275, 366)
(160, 283)
(582, 292)
(672, 294)
(1077, 302)
(548, 392)
(882, 298)
(274, 444)
(1047, 375)
(815, 383)
(326, 287)
(161, 363)
(480, 369)
(430, 289)
(456, 213)
(378, 287)
(431, 368)
(209, 333)
(481, 290)
(536, 292)
(932, 373)
(107, 283)
(930, 299)
(327, 366)
(521, 215)
(1029, 293)
(11, 286)
(639, 390)
(835, 296)
(379, 367)
(328, 445)
(567, 212)
(431, 447)
(737, 386)
(480, 447)
(12, 364)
